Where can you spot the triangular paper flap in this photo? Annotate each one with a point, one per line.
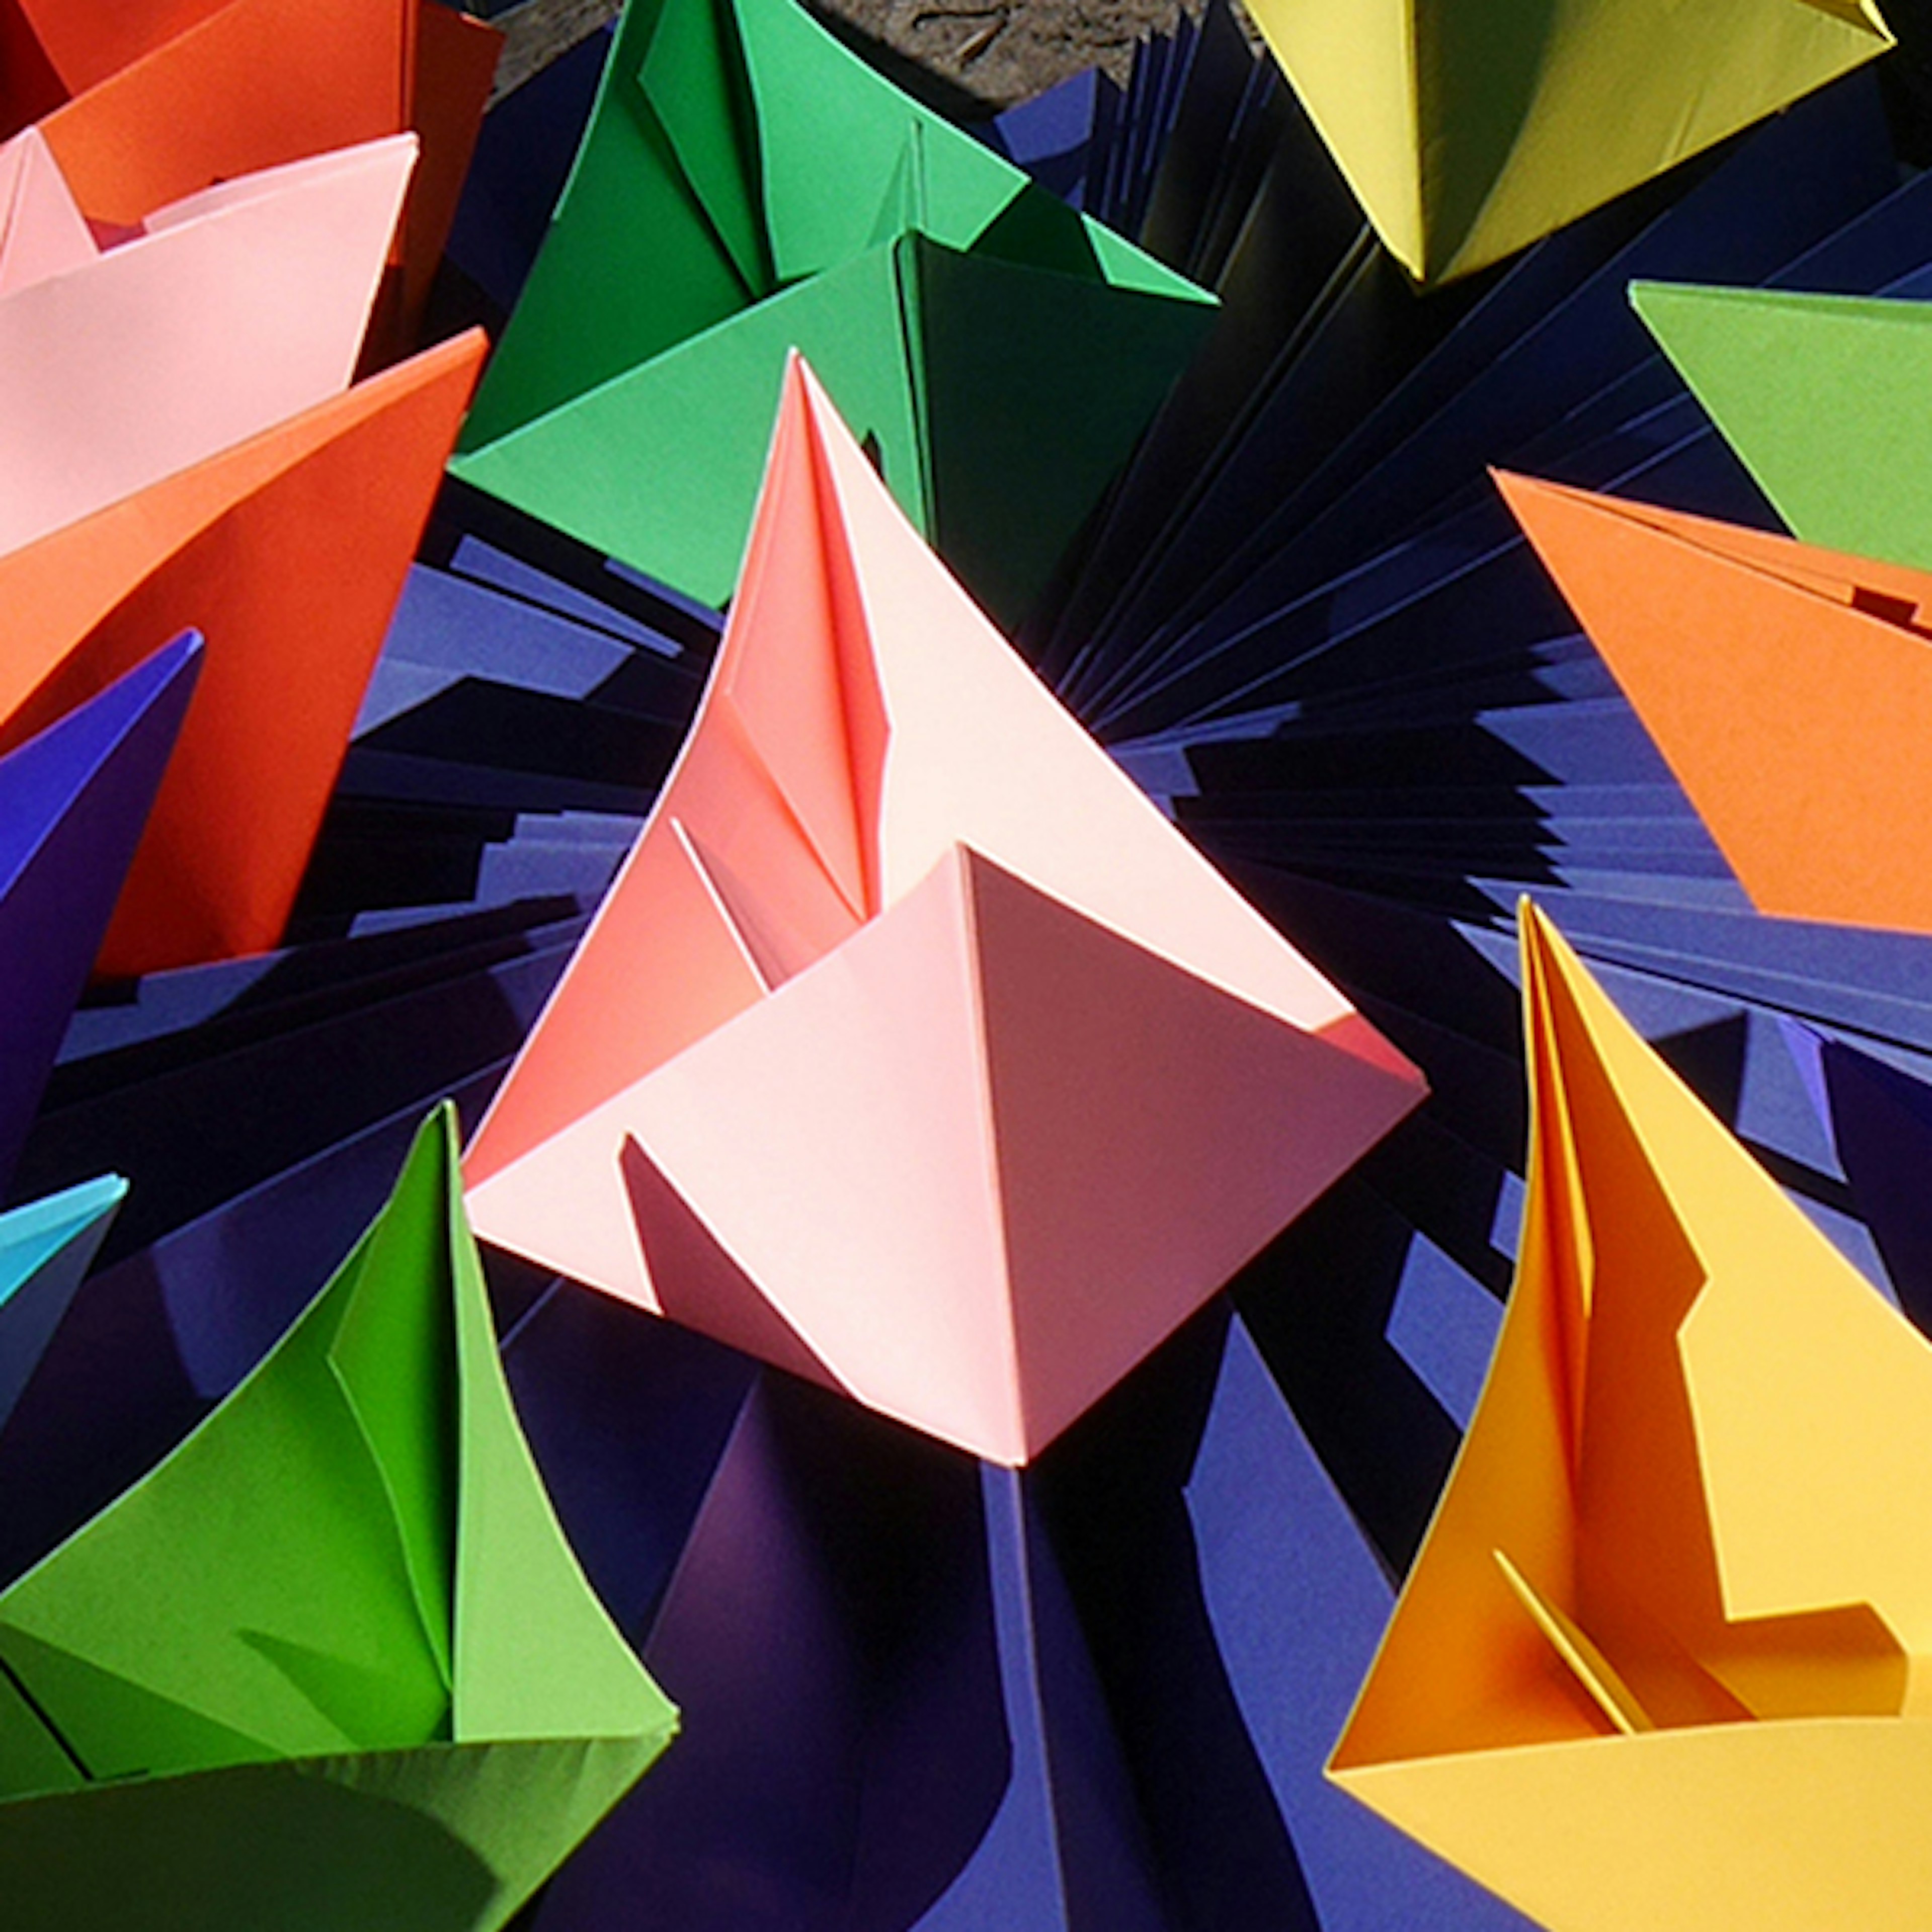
(630, 264)
(662, 964)
(694, 76)
(1712, 1548)
(1795, 717)
(243, 542)
(1095, 359)
(835, 1138)
(252, 84)
(1820, 395)
(255, 1572)
(395, 1358)
(73, 804)
(175, 345)
(698, 1284)
(961, 703)
(1152, 1133)
(536, 1655)
(43, 233)
(58, 590)
(701, 410)
(1462, 153)
(45, 1250)
(812, 710)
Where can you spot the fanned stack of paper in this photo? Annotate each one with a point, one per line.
(1660, 1661)
(906, 1001)
(747, 187)
(1467, 132)
(144, 103)
(332, 1663)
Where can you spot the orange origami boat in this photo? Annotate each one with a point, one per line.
(1790, 688)
(913, 1050)
(288, 552)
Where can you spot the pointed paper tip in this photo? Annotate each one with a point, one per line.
(1540, 946)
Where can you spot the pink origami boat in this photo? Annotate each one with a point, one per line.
(123, 362)
(913, 1050)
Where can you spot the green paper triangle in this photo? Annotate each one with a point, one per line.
(660, 467)
(1827, 400)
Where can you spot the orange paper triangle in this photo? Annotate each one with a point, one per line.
(1790, 688)
(288, 552)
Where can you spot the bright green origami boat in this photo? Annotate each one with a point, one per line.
(331, 1664)
(747, 186)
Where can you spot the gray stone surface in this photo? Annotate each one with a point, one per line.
(966, 55)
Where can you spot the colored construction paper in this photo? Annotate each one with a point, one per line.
(167, 100)
(1820, 395)
(46, 1247)
(74, 801)
(1467, 133)
(948, 363)
(828, 1631)
(906, 993)
(1655, 1661)
(722, 211)
(1879, 1116)
(522, 160)
(235, 308)
(290, 549)
(1790, 688)
(332, 1661)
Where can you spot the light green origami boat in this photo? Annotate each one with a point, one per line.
(331, 1664)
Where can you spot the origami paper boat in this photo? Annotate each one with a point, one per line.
(1818, 395)
(1657, 1662)
(1790, 688)
(144, 104)
(251, 545)
(73, 803)
(747, 186)
(1466, 134)
(907, 1001)
(235, 308)
(332, 1663)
